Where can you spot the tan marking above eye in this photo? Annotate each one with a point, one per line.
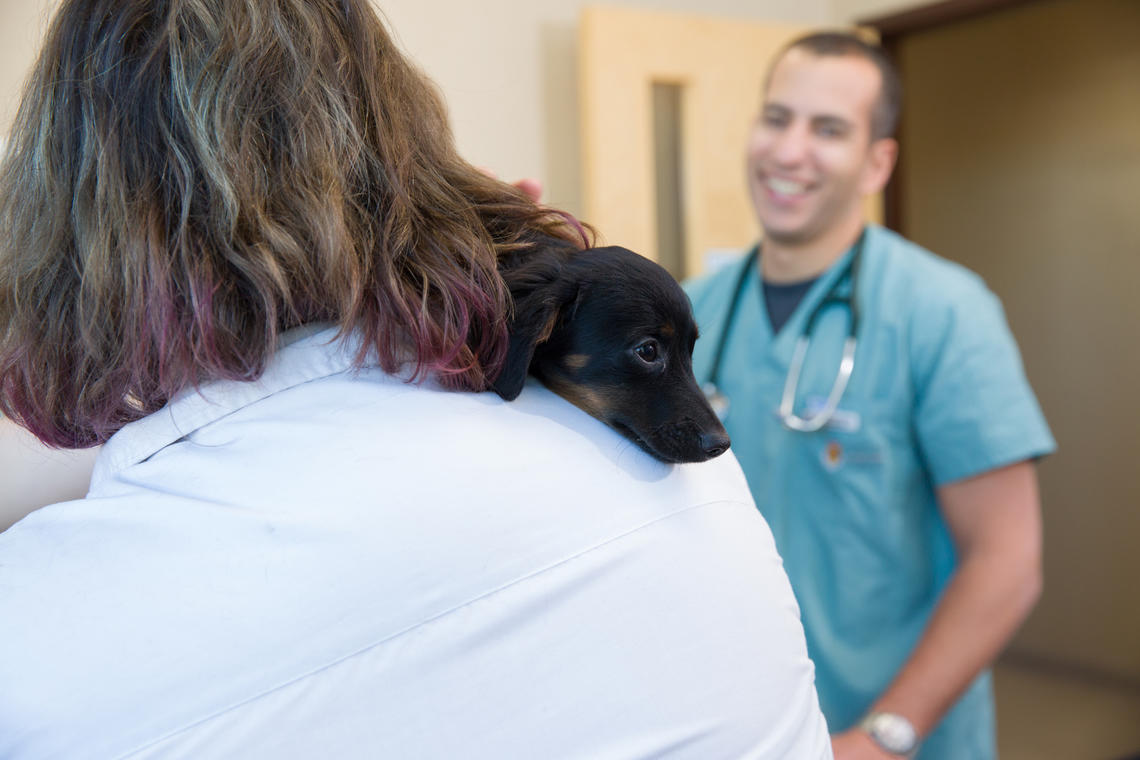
(668, 330)
(576, 361)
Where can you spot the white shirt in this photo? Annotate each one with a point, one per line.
(331, 563)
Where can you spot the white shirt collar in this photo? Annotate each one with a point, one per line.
(303, 354)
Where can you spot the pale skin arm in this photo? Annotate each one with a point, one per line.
(995, 521)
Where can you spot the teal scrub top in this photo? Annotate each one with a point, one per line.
(938, 394)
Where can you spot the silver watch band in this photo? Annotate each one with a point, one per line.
(892, 732)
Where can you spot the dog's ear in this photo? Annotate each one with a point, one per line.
(541, 289)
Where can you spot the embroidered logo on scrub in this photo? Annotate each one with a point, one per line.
(832, 455)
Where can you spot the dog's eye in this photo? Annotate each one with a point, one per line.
(647, 351)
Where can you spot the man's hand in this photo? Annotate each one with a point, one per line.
(529, 185)
(995, 521)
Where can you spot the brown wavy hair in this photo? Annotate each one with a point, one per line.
(186, 179)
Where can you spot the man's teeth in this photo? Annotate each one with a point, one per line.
(786, 186)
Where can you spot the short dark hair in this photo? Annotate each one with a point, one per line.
(885, 115)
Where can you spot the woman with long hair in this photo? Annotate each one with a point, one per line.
(183, 185)
(240, 250)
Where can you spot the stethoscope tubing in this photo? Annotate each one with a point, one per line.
(787, 414)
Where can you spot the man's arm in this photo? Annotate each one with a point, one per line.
(995, 521)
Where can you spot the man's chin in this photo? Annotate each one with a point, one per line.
(787, 235)
(785, 226)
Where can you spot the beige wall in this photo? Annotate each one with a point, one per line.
(22, 27)
(850, 11)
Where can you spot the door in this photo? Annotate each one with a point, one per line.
(1021, 159)
(667, 101)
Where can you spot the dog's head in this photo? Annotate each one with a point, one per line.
(611, 332)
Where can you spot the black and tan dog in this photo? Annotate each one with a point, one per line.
(612, 333)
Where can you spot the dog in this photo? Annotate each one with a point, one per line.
(612, 333)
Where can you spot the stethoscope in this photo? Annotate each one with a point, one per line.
(786, 411)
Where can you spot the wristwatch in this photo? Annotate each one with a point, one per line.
(892, 732)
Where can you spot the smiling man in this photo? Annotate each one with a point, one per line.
(877, 402)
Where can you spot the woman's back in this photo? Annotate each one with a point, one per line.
(336, 563)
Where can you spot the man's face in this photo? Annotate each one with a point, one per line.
(811, 159)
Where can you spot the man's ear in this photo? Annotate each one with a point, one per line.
(881, 159)
(540, 288)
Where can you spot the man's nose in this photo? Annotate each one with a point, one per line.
(791, 145)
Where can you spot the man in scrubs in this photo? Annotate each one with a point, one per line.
(910, 521)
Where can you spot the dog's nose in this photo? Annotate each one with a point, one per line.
(714, 444)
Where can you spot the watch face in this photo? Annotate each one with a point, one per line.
(893, 732)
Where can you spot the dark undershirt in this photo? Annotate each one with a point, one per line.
(782, 299)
